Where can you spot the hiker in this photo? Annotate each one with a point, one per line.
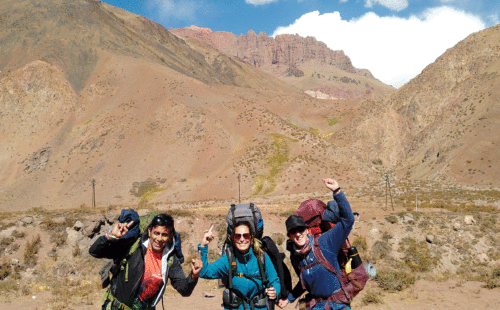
(140, 282)
(314, 276)
(249, 276)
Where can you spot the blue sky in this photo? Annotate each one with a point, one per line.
(394, 39)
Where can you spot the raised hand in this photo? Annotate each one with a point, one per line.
(208, 236)
(331, 184)
(120, 230)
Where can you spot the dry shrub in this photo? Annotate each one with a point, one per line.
(381, 249)
(5, 270)
(181, 213)
(494, 279)
(372, 298)
(58, 238)
(18, 235)
(391, 219)
(5, 242)
(418, 257)
(9, 285)
(392, 281)
(76, 251)
(360, 243)
(31, 251)
(279, 238)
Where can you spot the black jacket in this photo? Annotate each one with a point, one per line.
(127, 291)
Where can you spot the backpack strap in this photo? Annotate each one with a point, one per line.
(255, 226)
(123, 263)
(233, 273)
(232, 264)
(323, 261)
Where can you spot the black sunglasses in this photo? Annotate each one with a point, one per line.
(295, 230)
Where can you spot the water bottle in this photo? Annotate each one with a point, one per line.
(352, 252)
(370, 270)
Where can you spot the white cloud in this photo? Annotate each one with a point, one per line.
(259, 2)
(178, 9)
(394, 49)
(394, 5)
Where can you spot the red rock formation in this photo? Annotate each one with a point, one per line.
(273, 55)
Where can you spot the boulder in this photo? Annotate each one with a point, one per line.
(6, 233)
(469, 220)
(482, 259)
(78, 226)
(408, 217)
(73, 237)
(27, 220)
(112, 217)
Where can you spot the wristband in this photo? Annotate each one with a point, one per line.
(336, 191)
(110, 237)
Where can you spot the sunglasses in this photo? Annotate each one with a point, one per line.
(246, 236)
(295, 230)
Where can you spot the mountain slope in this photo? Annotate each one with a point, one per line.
(443, 124)
(91, 92)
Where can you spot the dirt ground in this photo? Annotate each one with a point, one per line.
(452, 293)
(423, 295)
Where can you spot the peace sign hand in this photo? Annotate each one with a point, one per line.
(120, 230)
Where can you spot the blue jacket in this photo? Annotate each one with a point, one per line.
(320, 282)
(246, 264)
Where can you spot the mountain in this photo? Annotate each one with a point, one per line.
(91, 92)
(443, 125)
(304, 62)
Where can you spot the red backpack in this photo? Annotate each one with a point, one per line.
(312, 211)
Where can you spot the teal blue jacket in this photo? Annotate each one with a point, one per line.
(246, 264)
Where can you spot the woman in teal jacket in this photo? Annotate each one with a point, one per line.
(251, 282)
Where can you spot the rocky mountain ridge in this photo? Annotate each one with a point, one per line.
(290, 56)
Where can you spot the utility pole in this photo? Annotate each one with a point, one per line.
(93, 193)
(386, 178)
(390, 193)
(239, 188)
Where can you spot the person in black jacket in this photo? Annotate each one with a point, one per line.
(139, 282)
